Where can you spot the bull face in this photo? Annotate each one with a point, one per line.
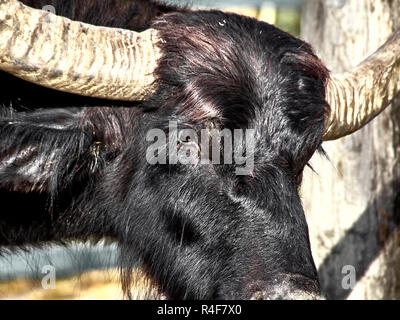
(207, 217)
(209, 229)
(205, 232)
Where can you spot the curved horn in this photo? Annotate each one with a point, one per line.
(75, 57)
(358, 96)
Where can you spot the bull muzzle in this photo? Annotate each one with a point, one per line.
(286, 287)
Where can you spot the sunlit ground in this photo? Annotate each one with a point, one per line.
(94, 285)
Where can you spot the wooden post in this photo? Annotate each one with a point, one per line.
(352, 203)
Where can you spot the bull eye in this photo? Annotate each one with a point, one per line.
(241, 186)
(188, 149)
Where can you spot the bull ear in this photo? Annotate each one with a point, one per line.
(44, 151)
(358, 96)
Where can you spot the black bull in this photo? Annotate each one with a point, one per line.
(76, 168)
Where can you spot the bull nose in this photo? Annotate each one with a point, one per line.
(287, 287)
(293, 295)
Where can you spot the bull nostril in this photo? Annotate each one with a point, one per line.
(284, 287)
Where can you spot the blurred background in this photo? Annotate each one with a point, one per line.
(352, 200)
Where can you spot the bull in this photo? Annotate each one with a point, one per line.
(82, 89)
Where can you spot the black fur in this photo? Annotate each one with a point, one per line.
(75, 168)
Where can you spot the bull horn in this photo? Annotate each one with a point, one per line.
(75, 57)
(358, 96)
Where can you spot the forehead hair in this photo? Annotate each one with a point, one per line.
(242, 73)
